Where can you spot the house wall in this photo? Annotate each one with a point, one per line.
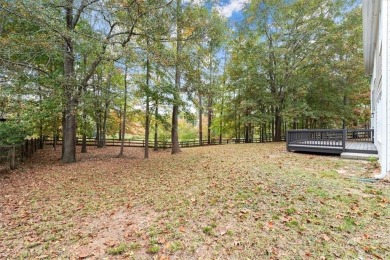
(385, 81)
(380, 93)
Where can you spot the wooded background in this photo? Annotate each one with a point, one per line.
(175, 70)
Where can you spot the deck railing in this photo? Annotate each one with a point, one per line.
(360, 135)
(335, 139)
(316, 137)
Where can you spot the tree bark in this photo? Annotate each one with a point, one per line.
(120, 125)
(200, 119)
(84, 144)
(124, 117)
(55, 134)
(99, 130)
(175, 110)
(345, 104)
(84, 140)
(104, 132)
(69, 133)
(156, 127)
(221, 120)
(69, 130)
(209, 118)
(210, 98)
(147, 110)
(278, 125)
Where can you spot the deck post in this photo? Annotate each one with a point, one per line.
(344, 138)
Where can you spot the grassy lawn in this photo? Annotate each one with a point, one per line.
(253, 201)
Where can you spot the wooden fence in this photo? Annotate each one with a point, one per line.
(163, 144)
(12, 155)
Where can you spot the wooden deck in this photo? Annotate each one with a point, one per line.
(331, 141)
(361, 146)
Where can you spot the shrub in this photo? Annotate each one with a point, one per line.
(12, 132)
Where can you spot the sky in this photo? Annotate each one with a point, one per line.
(231, 9)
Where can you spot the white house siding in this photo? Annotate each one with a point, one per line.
(380, 88)
(385, 82)
(378, 66)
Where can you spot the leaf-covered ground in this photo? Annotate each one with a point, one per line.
(253, 201)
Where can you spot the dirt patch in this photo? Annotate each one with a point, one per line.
(127, 225)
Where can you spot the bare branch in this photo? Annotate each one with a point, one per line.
(84, 4)
(24, 65)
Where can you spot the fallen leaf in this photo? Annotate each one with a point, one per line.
(325, 237)
(110, 243)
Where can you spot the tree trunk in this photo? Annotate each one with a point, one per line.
(246, 134)
(147, 110)
(156, 128)
(239, 128)
(200, 117)
(69, 133)
(235, 118)
(210, 98)
(84, 144)
(40, 120)
(147, 128)
(99, 130)
(63, 123)
(345, 104)
(69, 130)
(209, 118)
(278, 125)
(273, 127)
(221, 120)
(175, 133)
(104, 132)
(120, 125)
(55, 134)
(175, 110)
(84, 140)
(124, 117)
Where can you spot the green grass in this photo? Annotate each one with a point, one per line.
(207, 230)
(118, 250)
(153, 249)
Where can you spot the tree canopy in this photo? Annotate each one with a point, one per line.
(80, 68)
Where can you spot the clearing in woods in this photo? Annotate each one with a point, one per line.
(232, 201)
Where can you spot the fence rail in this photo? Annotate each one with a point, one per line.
(12, 155)
(163, 144)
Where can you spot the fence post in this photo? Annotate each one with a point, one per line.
(26, 148)
(13, 154)
(344, 138)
